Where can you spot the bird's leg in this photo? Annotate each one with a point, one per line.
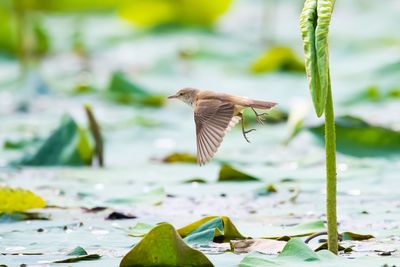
(243, 130)
(259, 117)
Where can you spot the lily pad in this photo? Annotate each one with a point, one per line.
(228, 173)
(355, 236)
(68, 145)
(125, 91)
(17, 200)
(208, 229)
(80, 254)
(140, 229)
(23, 216)
(295, 253)
(163, 246)
(180, 158)
(358, 138)
(266, 246)
(278, 58)
(302, 229)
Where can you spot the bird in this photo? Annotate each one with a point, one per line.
(215, 114)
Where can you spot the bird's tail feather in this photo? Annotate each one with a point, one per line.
(262, 104)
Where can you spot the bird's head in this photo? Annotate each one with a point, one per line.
(187, 95)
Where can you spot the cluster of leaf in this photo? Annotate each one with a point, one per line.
(278, 58)
(124, 91)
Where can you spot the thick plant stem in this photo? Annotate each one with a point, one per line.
(330, 148)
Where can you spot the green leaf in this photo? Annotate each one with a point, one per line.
(153, 13)
(228, 173)
(314, 23)
(358, 138)
(154, 196)
(355, 236)
(96, 134)
(124, 91)
(295, 253)
(23, 216)
(302, 229)
(211, 228)
(139, 229)
(374, 94)
(16, 200)
(180, 158)
(266, 190)
(278, 58)
(21, 143)
(80, 254)
(163, 246)
(68, 145)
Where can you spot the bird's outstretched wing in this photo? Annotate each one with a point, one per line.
(213, 119)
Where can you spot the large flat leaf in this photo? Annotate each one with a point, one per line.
(163, 246)
(295, 253)
(16, 200)
(302, 229)
(359, 138)
(125, 91)
(67, 145)
(79, 254)
(208, 229)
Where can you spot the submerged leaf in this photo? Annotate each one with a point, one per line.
(68, 145)
(23, 216)
(278, 58)
(180, 158)
(359, 138)
(124, 91)
(208, 229)
(228, 173)
(16, 200)
(163, 246)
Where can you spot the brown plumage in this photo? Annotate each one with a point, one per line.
(215, 114)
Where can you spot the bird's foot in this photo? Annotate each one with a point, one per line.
(259, 116)
(246, 132)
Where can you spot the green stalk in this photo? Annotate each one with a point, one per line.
(330, 148)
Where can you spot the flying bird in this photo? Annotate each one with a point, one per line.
(215, 114)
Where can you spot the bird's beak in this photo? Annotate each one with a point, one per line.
(172, 96)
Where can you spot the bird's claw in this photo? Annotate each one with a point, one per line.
(246, 132)
(259, 116)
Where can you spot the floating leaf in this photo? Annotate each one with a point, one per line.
(208, 229)
(278, 58)
(124, 91)
(266, 246)
(67, 145)
(155, 197)
(355, 236)
(228, 173)
(140, 229)
(163, 246)
(302, 229)
(180, 158)
(314, 23)
(79, 254)
(153, 13)
(21, 143)
(119, 216)
(373, 94)
(23, 216)
(196, 180)
(16, 200)
(266, 190)
(295, 253)
(359, 138)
